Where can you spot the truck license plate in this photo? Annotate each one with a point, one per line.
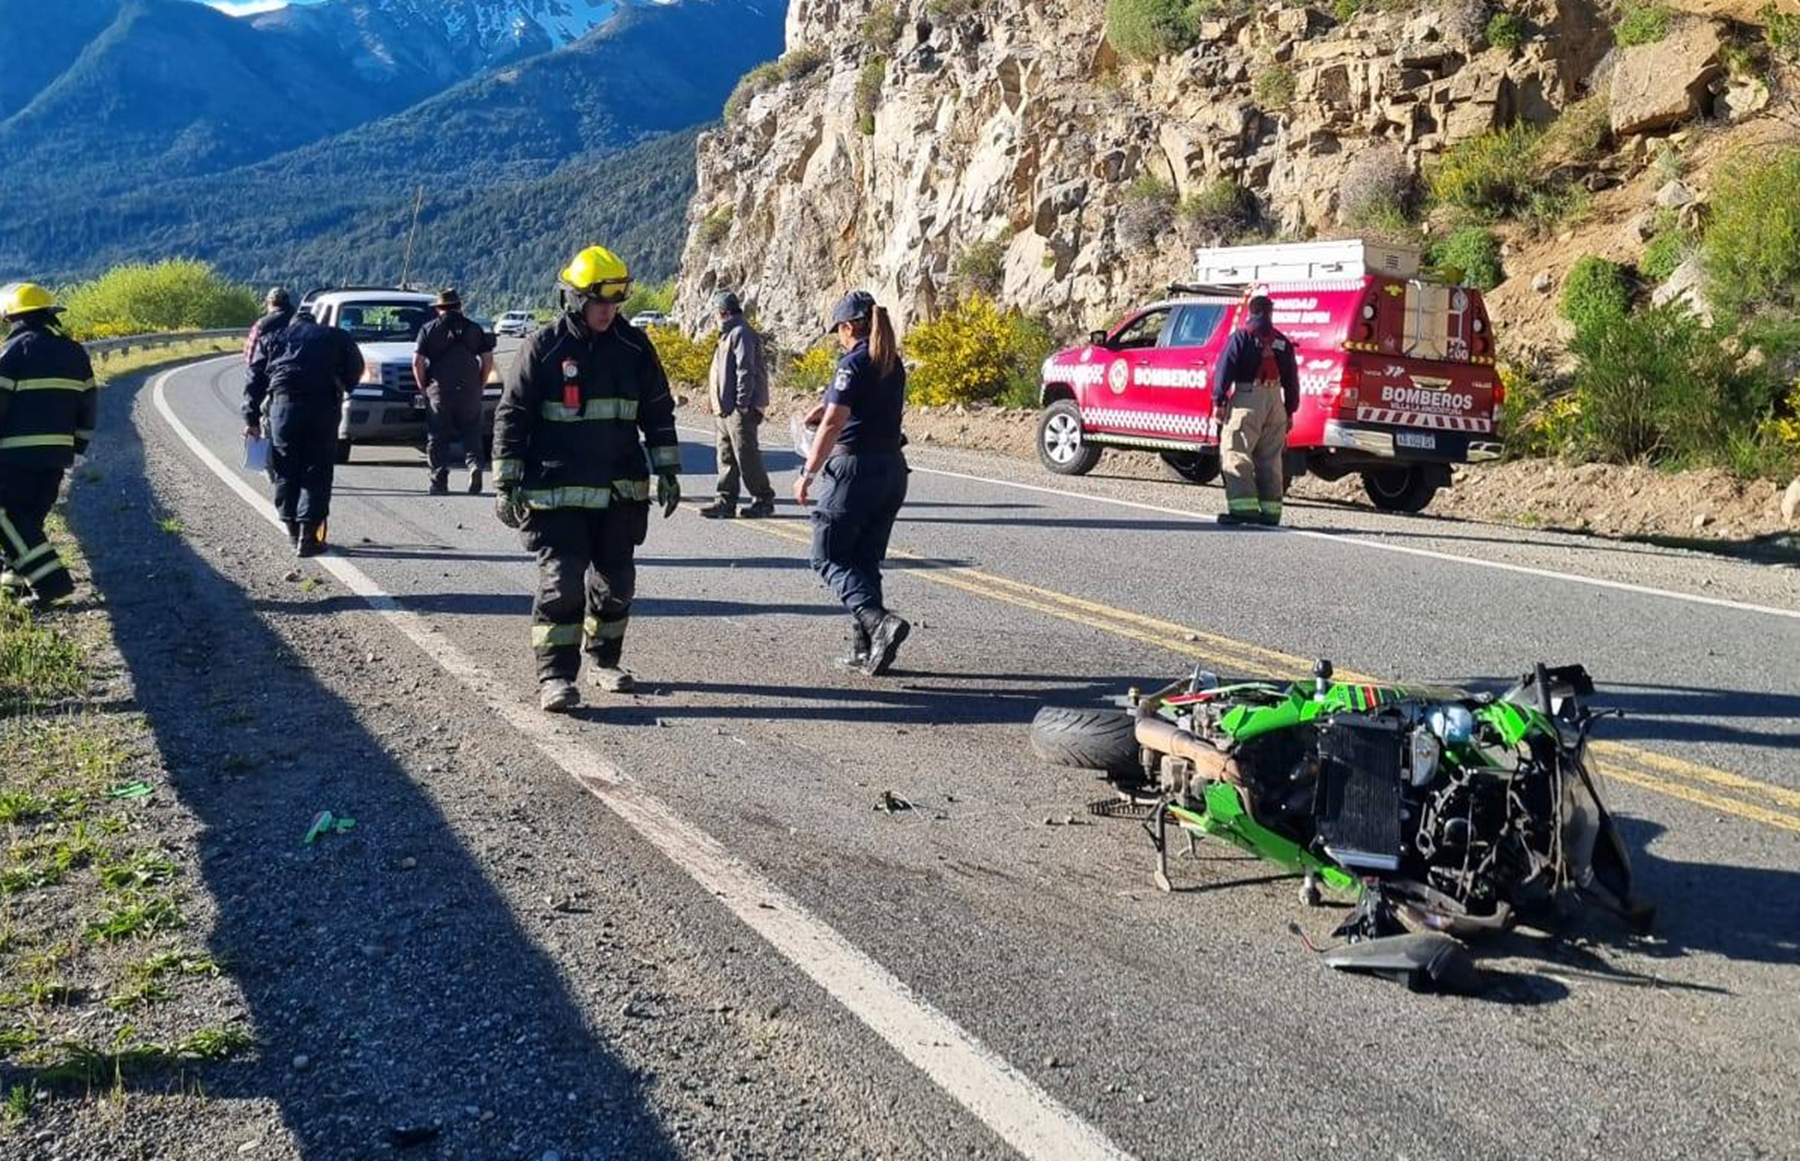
(1422, 440)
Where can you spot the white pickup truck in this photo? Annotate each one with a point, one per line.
(386, 407)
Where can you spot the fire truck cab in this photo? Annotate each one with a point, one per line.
(1397, 377)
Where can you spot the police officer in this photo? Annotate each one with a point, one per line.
(572, 473)
(451, 366)
(302, 371)
(48, 407)
(857, 465)
(278, 307)
(1256, 390)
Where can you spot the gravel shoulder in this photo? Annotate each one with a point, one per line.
(486, 964)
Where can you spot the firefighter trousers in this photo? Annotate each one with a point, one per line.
(1251, 448)
(302, 456)
(453, 417)
(859, 498)
(587, 576)
(26, 497)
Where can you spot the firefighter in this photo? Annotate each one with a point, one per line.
(738, 393)
(302, 372)
(451, 366)
(1256, 390)
(585, 417)
(857, 462)
(48, 408)
(278, 307)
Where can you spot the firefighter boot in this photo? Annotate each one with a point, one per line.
(312, 539)
(440, 484)
(557, 695)
(857, 657)
(758, 510)
(886, 632)
(611, 678)
(720, 509)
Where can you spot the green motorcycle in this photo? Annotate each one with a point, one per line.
(1436, 814)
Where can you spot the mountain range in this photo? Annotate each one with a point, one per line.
(137, 129)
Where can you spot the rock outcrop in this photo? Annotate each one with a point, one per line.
(1007, 146)
(1660, 85)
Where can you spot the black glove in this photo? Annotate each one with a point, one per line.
(668, 493)
(510, 507)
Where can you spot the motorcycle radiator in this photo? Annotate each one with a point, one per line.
(1359, 804)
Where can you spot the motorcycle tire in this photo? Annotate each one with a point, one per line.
(1086, 739)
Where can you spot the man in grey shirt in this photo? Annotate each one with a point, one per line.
(738, 393)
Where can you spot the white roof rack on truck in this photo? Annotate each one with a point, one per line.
(1239, 266)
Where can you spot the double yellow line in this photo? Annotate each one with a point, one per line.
(1718, 790)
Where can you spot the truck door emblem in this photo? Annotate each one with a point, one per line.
(1119, 376)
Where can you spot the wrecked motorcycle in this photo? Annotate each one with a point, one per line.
(1436, 813)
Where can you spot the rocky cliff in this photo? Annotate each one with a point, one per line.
(926, 146)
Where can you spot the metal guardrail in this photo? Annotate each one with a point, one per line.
(101, 348)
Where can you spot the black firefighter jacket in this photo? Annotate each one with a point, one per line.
(567, 429)
(305, 361)
(48, 405)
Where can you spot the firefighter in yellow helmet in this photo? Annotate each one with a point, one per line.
(585, 419)
(48, 408)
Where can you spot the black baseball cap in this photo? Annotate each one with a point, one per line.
(853, 307)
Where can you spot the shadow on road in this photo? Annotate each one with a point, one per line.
(416, 995)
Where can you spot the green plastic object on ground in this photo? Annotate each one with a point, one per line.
(326, 823)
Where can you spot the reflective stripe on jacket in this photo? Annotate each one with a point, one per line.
(48, 403)
(601, 449)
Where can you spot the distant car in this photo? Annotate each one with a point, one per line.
(652, 318)
(386, 406)
(516, 323)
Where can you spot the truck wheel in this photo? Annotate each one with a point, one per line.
(1400, 489)
(1086, 739)
(343, 451)
(1194, 467)
(1060, 445)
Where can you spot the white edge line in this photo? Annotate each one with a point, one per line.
(1358, 540)
(1004, 1099)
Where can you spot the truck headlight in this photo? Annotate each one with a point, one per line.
(371, 373)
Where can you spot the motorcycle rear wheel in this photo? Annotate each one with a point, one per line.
(1086, 739)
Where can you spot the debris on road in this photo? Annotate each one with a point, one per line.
(891, 803)
(325, 823)
(138, 789)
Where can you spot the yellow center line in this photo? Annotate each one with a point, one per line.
(1642, 768)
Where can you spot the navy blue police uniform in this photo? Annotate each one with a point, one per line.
(302, 370)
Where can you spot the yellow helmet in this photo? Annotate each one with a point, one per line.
(598, 273)
(21, 298)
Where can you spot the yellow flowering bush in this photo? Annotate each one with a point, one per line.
(975, 352)
(687, 361)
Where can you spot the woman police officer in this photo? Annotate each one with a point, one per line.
(859, 470)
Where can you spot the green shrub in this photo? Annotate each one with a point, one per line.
(654, 296)
(1751, 251)
(1148, 212)
(1594, 293)
(1665, 253)
(881, 28)
(1473, 254)
(1148, 30)
(1217, 207)
(981, 268)
(1376, 188)
(1578, 135)
(1504, 30)
(1534, 422)
(1781, 31)
(950, 9)
(1273, 87)
(686, 361)
(793, 65)
(1659, 386)
(868, 92)
(1490, 175)
(178, 294)
(975, 352)
(1641, 24)
(716, 226)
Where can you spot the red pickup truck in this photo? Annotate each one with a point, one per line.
(1397, 378)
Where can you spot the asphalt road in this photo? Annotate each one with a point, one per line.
(1194, 1023)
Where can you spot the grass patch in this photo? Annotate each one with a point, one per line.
(17, 1105)
(1641, 24)
(135, 916)
(37, 664)
(1273, 88)
(171, 525)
